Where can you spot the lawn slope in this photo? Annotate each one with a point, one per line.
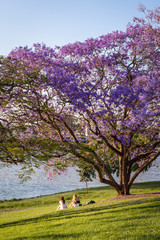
(127, 218)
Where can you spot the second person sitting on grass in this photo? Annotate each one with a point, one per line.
(75, 201)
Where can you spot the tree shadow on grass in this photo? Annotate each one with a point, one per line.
(84, 211)
(52, 236)
(153, 185)
(101, 233)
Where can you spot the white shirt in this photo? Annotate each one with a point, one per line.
(62, 205)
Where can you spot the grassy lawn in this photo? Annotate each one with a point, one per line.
(132, 218)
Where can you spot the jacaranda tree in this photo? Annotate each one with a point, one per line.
(11, 150)
(95, 103)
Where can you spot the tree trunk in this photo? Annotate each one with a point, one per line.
(124, 173)
(120, 171)
(123, 188)
(86, 188)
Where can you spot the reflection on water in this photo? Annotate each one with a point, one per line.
(10, 186)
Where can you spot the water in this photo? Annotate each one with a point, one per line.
(39, 185)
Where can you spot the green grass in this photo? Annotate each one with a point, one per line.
(132, 218)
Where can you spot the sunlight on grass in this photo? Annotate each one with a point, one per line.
(135, 218)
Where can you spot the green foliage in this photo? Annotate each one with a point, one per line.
(86, 174)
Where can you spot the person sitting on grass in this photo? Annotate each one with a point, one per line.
(75, 202)
(62, 204)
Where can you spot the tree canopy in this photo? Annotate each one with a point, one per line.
(95, 102)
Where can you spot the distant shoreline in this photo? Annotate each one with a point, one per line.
(81, 189)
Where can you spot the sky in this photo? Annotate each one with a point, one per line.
(59, 22)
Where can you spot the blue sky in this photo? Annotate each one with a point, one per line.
(59, 22)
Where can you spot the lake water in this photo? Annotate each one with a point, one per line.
(39, 185)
